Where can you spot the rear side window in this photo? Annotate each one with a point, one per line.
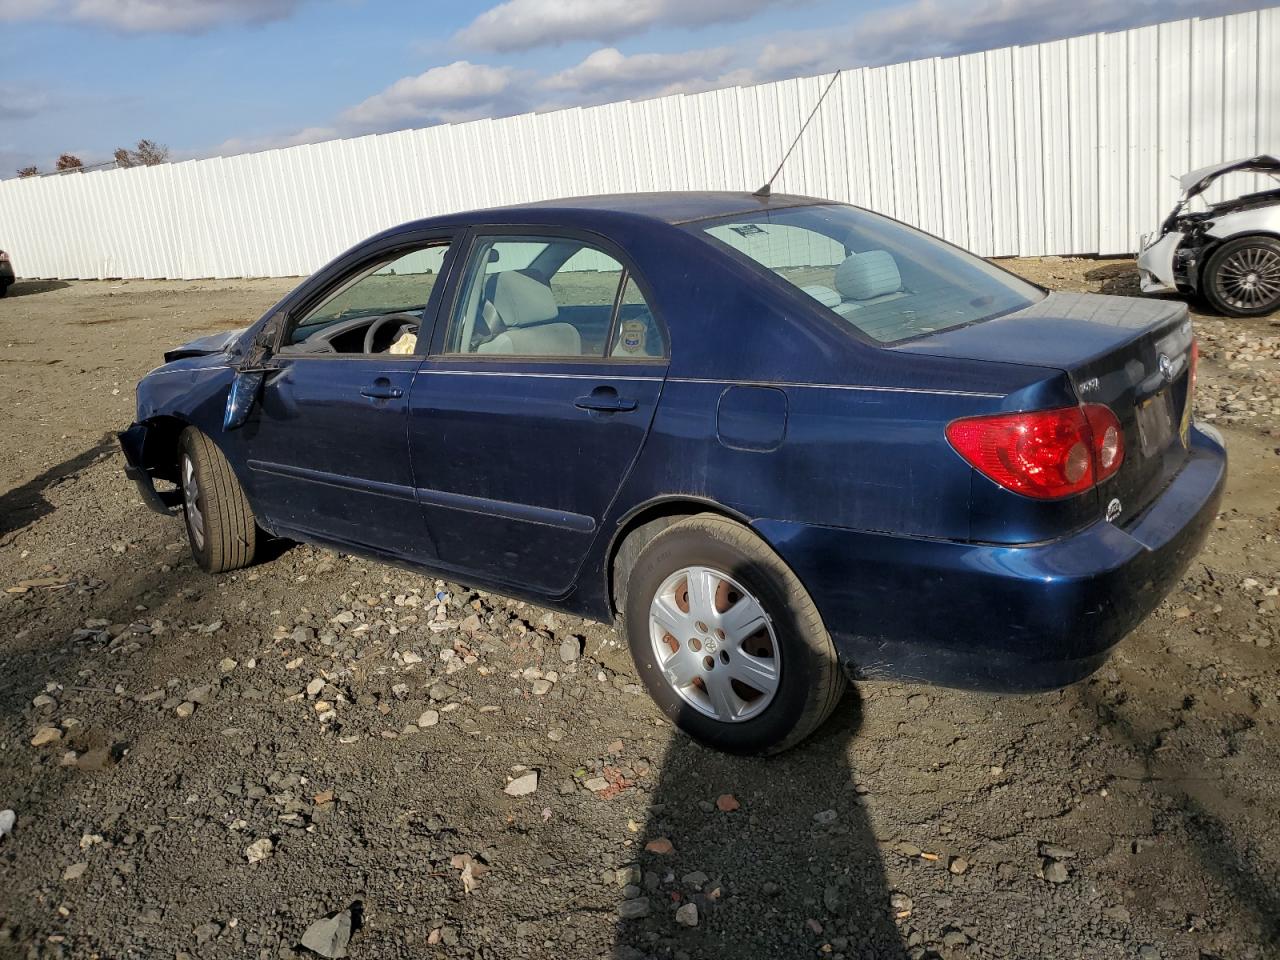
(547, 297)
(889, 281)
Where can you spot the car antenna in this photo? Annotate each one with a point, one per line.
(768, 187)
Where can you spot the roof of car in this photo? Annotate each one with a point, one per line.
(673, 206)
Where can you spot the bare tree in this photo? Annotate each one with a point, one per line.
(147, 153)
(68, 162)
(28, 172)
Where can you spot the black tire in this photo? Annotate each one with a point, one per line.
(1221, 281)
(810, 681)
(228, 535)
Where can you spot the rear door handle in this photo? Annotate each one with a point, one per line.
(381, 389)
(605, 400)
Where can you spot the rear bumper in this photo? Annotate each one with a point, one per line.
(1001, 618)
(133, 443)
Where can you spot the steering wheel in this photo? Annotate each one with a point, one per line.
(371, 334)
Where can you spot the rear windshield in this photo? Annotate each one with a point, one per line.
(884, 278)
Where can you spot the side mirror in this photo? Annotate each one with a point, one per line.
(264, 342)
(244, 394)
(251, 372)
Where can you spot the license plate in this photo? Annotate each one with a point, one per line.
(1155, 423)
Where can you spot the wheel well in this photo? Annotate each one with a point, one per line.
(160, 454)
(645, 524)
(1210, 248)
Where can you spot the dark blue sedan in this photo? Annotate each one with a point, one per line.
(778, 439)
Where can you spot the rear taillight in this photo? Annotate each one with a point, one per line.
(1195, 363)
(1047, 454)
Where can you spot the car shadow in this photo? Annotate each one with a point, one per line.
(23, 505)
(29, 288)
(1216, 844)
(777, 856)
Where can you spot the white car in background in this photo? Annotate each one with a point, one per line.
(1227, 253)
(6, 273)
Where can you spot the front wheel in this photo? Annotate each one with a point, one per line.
(727, 640)
(1242, 277)
(220, 523)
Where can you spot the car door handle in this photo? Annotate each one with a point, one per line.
(381, 389)
(605, 400)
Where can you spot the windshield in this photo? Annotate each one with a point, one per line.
(884, 278)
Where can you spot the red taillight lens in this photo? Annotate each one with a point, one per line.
(1195, 363)
(1046, 454)
(1108, 440)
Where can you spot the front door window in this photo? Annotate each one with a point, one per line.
(377, 310)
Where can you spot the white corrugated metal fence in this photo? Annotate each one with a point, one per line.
(1058, 148)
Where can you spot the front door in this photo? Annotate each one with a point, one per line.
(327, 446)
(533, 407)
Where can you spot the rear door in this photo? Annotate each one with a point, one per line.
(533, 406)
(327, 444)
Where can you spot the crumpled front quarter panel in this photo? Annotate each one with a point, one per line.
(194, 390)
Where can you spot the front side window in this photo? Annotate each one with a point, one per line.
(378, 309)
(541, 297)
(884, 278)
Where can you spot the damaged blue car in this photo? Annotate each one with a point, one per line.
(779, 440)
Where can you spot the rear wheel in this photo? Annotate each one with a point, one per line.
(727, 640)
(220, 523)
(1242, 277)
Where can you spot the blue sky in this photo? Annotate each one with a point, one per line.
(226, 76)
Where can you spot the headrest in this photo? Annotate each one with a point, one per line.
(863, 276)
(521, 300)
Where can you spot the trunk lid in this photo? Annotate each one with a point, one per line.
(1132, 355)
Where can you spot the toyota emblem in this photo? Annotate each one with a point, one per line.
(1166, 368)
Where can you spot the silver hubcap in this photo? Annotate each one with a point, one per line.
(714, 644)
(1250, 278)
(191, 499)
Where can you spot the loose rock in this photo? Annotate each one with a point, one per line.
(259, 850)
(45, 736)
(523, 785)
(329, 937)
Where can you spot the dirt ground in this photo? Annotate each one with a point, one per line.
(231, 759)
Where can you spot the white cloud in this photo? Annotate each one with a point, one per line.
(25, 9)
(940, 28)
(524, 24)
(19, 104)
(234, 145)
(150, 16)
(459, 91)
(609, 74)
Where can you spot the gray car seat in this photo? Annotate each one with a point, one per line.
(867, 278)
(521, 309)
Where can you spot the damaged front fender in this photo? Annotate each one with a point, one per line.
(138, 443)
(1156, 264)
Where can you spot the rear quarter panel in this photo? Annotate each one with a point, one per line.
(862, 444)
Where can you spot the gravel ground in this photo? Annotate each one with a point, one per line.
(319, 746)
